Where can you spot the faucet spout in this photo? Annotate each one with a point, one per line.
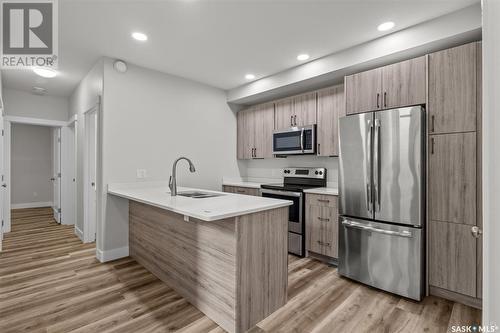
(172, 184)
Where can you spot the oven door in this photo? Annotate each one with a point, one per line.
(295, 140)
(294, 211)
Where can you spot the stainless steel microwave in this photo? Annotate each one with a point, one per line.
(295, 140)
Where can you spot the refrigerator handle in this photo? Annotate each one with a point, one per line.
(376, 165)
(369, 199)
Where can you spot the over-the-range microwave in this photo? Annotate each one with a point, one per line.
(295, 140)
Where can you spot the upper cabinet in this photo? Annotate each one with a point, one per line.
(298, 110)
(452, 90)
(362, 91)
(396, 85)
(255, 129)
(331, 107)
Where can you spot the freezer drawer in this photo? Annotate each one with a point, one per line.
(382, 255)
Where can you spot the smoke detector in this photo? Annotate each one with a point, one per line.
(39, 91)
(120, 66)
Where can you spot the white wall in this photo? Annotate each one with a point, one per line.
(85, 96)
(31, 164)
(24, 104)
(491, 162)
(150, 119)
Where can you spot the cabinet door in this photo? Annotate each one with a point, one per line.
(404, 83)
(452, 90)
(363, 91)
(264, 125)
(304, 109)
(322, 230)
(283, 113)
(452, 178)
(331, 107)
(452, 257)
(245, 133)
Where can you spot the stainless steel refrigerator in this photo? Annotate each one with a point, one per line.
(382, 199)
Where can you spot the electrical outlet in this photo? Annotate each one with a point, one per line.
(142, 173)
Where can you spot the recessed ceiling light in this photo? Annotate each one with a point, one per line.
(140, 36)
(249, 76)
(45, 72)
(303, 57)
(386, 26)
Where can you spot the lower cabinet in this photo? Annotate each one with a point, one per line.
(322, 224)
(241, 190)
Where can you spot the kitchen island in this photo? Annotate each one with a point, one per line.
(227, 255)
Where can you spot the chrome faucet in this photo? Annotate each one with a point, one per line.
(172, 184)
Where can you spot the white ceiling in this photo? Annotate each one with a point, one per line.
(217, 42)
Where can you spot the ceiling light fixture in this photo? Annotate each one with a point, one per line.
(303, 57)
(386, 26)
(140, 36)
(45, 72)
(249, 76)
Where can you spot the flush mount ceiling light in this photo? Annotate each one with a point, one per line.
(45, 72)
(303, 57)
(386, 26)
(249, 76)
(139, 36)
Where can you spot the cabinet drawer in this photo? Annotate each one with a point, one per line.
(322, 230)
(241, 190)
(321, 200)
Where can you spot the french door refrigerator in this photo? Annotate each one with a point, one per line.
(382, 199)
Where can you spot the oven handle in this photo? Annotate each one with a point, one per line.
(357, 225)
(284, 193)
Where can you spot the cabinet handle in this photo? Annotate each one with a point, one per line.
(432, 123)
(476, 232)
(324, 219)
(323, 200)
(378, 100)
(240, 191)
(295, 120)
(291, 120)
(323, 243)
(385, 99)
(432, 146)
(319, 151)
(255, 152)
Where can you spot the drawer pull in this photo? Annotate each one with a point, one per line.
(323, 243)
(240, 191)
(324, 200)
(324, 219)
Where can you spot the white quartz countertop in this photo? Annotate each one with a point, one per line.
(323, 190)
(206, 209)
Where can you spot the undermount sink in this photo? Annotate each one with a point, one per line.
(199, 194)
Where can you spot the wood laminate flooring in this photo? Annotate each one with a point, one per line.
(51, 282)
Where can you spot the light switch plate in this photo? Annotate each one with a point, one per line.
(141, 173)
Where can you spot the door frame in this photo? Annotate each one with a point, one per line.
(89, 228)
(8, 121)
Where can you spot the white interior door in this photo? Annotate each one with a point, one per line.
(91, 118)
(2, 176)
(68, 174)
(56, 173)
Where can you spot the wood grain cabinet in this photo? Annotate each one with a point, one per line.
(298, 110)
(452, 89)
(330, 108)
(255, 128)
(322, 224)
(241, 190)
(396, 85)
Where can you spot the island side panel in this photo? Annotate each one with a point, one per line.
(262, 265)
(196, 258)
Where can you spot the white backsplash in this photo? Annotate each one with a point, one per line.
(272, 168)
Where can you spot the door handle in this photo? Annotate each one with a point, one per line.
(432, 146)
(319, 151)
(476, 232)
(369, 200)
(324, 219)
(385, 99)
(432, 123)
(356, 225)
(376, 164)
(295, 120)
(378, 100)
(4, 185)
(255, 152)
(323, 243)
(92, 184)
(291, 120)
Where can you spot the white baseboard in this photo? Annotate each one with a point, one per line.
(31, 205)
(113, 254)
(79, 233)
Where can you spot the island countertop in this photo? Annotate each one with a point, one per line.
(207, 209)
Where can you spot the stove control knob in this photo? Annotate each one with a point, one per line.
(316, 172)
(321, 172)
